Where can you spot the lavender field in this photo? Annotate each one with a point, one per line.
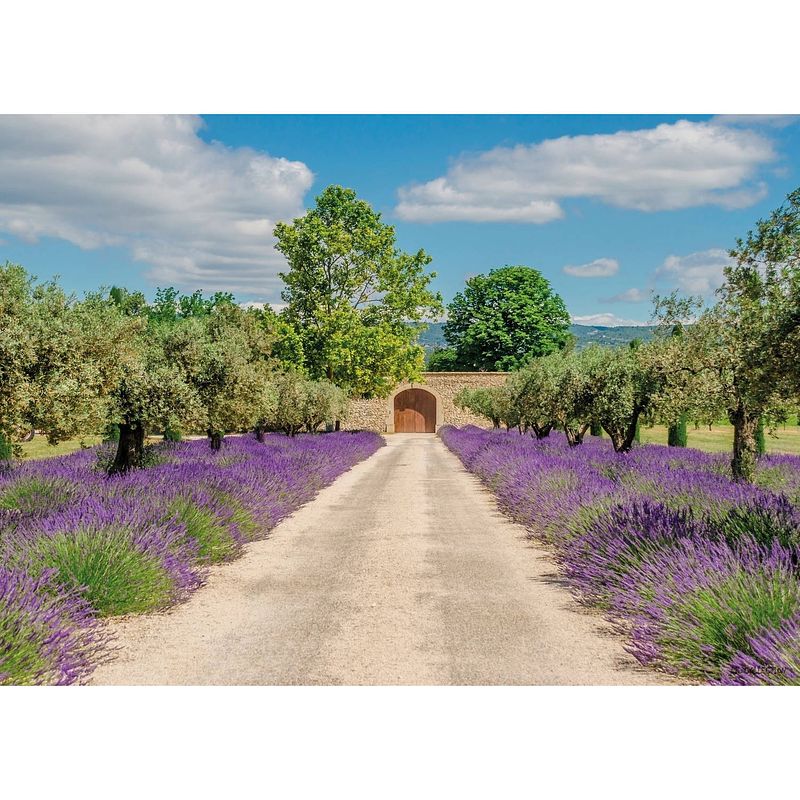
(78, 546)
(698, 572)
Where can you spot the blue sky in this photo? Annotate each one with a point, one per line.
(607, 207)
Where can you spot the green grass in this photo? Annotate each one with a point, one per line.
(39, 448)
(214, 540)
(719, 439)
(34, 494)
(22, 658)
(117, 578)
(708, 626)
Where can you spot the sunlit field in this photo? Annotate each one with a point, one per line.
(39, 447)
(719, 439)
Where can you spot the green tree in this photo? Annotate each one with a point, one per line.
(743, 354)
(17, 348)
(132, 304)
(574, 410)
(483, 402)
(442, 359)
(298, 403)
(353, 297)
(58, 357)
(676, 433)
(170, 306)
(505, 318)
(624, 386)
(534, 390)
(226, 358)
(151, 389)
(324, 402)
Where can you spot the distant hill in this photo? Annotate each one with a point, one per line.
(613, 337)
(433, 337)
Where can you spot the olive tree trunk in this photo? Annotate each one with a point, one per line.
(622, 438)
(575, 435)
(745, 450)
(541, 431)
(130, 448)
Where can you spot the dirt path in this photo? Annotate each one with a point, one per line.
(401, 572)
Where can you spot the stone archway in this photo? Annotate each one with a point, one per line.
(413, 409)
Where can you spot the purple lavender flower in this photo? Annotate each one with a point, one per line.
(46, 635)
(87, 543)
(700, 572)
(772, 657)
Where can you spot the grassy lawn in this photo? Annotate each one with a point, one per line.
(720, 438)
(39, 448)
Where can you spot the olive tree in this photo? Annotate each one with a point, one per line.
(226, 358)
(535, 396)
(623, 386)
(59, 357)
(324, 402)
(495, 403)
(572, 387)
(742, 355)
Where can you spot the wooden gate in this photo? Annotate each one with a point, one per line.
(414, 412)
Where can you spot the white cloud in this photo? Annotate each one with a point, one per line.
(697, 273)
(632, 295)
(770, 120)
(605, 320)
(201, 215)
(276, 307)
(599, 268)
(671, 166)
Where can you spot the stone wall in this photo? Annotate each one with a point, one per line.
(377, 414)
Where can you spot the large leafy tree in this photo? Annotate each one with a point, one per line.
(623, 386)
(536, 395)
(226, 358)
(742, 356)
(502, 320)
(354, 298)
(58, 357)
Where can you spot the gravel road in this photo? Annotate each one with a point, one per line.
(401, 572)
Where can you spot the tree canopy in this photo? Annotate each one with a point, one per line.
(58, 357)
(353, 297)
(504, 319)
(741, 355)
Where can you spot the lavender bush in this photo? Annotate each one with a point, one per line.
(698, 571)
(46, 635)
(78, 545)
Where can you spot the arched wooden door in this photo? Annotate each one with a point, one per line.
(414, 412)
